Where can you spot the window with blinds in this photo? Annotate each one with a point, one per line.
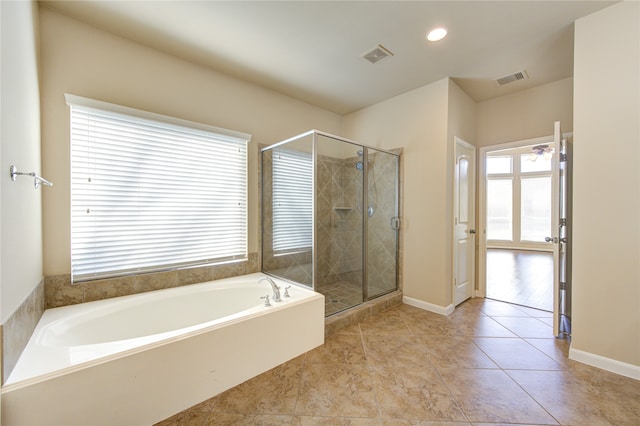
(152, 193)
(292, 200)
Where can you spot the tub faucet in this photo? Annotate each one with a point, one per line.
(274, 286)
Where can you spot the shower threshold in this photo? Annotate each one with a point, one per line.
(343, 319)
(343, 295)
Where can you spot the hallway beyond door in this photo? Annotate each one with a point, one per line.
(520, 277)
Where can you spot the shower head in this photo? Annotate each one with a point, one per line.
(360, 153)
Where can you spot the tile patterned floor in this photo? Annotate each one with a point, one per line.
(487, 363)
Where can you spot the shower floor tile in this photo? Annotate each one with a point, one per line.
(340, 295)
(406, 366)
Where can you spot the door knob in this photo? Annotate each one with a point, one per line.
(472, 231)
(551, 240)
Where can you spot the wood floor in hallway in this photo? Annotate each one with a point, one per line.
(521, 277)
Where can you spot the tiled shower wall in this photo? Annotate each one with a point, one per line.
(381, 238)
(339, 220)
(339, 216)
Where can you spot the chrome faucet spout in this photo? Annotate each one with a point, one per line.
(274, 287)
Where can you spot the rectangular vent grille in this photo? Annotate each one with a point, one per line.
(520, 75)
(377, 54)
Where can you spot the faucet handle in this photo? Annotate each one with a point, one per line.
(266, 300)
(286, 291)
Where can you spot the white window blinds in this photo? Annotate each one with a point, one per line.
(152, 193)
(292, 200)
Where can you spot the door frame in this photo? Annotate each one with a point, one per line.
(481, 226)
(472, 218)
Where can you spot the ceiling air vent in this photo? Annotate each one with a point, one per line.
(377, 54)
(520, 75)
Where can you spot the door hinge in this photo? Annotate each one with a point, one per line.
(563, 157)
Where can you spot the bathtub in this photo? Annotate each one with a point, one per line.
(139, 359)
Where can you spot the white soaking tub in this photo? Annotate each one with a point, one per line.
(141, 358)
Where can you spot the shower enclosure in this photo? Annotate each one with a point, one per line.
(330, 217)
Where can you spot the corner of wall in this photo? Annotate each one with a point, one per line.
(20, 204)
(606, 299)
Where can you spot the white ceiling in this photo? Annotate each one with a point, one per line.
(311, 50)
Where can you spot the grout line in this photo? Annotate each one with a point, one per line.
(302, 370)
(466, 416)
(531, 396)
(374, 388)
(435, 369)
(506, 371)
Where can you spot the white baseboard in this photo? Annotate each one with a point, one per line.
(612, 365)
(442, 310)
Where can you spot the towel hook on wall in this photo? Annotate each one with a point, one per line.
(37, 180)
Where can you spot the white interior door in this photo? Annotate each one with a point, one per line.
(561, 237)
(554, 226)
(464, 222)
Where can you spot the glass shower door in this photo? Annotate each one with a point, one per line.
(338, 224)
(381, 222)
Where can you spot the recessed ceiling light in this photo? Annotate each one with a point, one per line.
(437, 34)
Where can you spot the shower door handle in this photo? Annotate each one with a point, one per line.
(395, 223)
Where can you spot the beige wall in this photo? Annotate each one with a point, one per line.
(416, 121)
(84, 61)
(20, 211)
(462, 113)
(606, 196)
(525, 115)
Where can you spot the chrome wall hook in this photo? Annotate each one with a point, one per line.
(37, 180)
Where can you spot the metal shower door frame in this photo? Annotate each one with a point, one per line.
(315, 134)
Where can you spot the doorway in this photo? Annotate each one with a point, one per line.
(517, 194)
(497, 223)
